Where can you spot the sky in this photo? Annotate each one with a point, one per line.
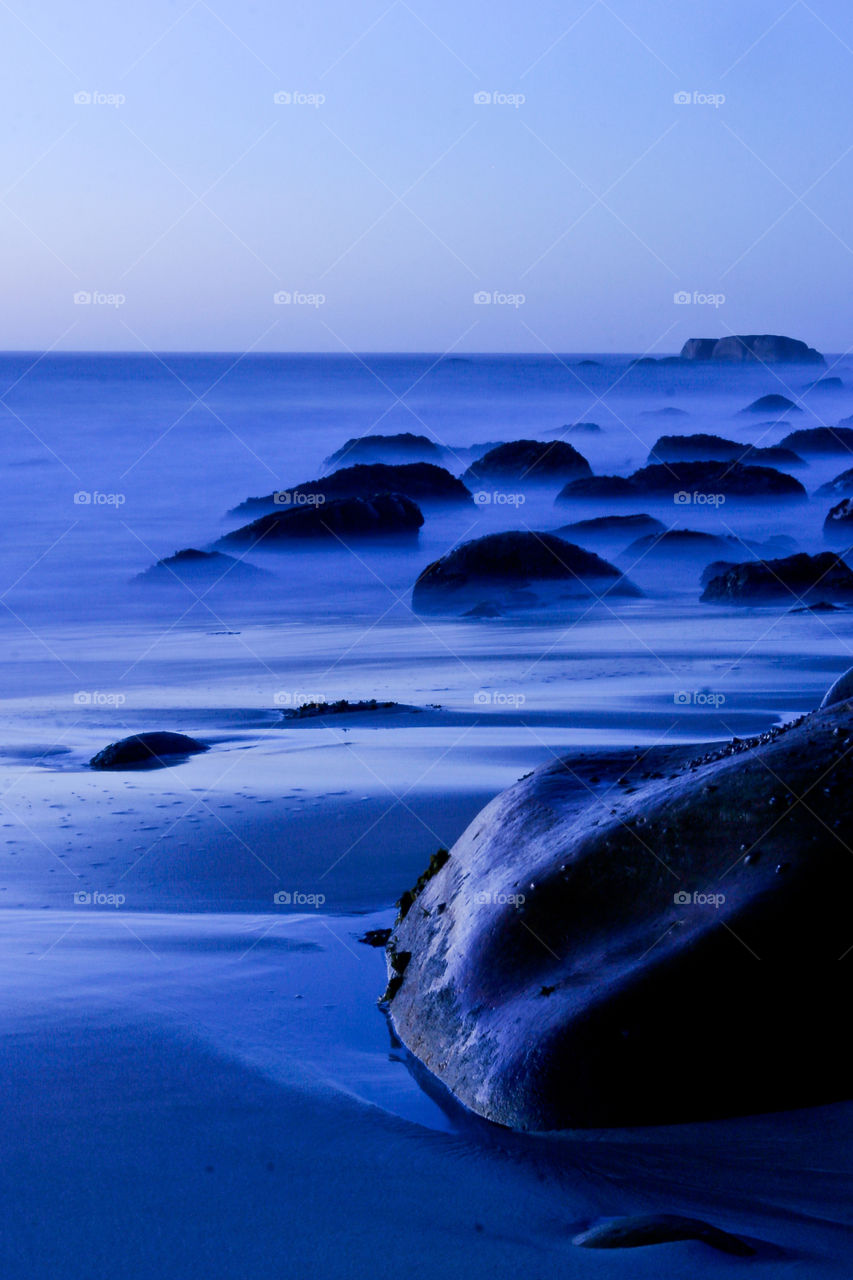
(404, 175)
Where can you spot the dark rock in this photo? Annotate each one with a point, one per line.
(343, 706)
(824, 576)
(822, 440)
(677, 542)
(385, 515)
(660, 995)
(752, 348)
(840, 691)
(669, 411)
(146, 749)
(528, 462)
(201, 567)
(840, 487)
(405, 447)
(376, 937)
(822, 606)
(825, 384)
(772, 404)
(596, 487)
(584, 428)
(731, 479)
(610, 528)
(588, 364)
(515, 570)
(424, 482)
(659, 1228)
(702, 447)
(838, 525)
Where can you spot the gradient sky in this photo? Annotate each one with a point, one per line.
(399, 197)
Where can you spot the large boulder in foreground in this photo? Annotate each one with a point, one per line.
(528, 462)
(756, 348)
(515, 570)
(797, 579)
(384, 515)
(402, 448)
(424, 482)
(146, 750)
(664, 950)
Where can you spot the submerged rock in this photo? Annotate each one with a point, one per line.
(596, 487)
(422, 481)
(729, 479)
(764, 348)
(385, 515)
(201, 567)
(404, 447)
(703, 447)
(149, 749)
(659, 1228)
(800, 577)
(515, 570)
(841, 486)
(822, 440)
(528, 462)
(772, 404)
(679, 543)
(666, 952)
(611, 528)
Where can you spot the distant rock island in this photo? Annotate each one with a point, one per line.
(764, 348)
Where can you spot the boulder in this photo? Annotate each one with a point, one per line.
(147, 750)
(610, 528)
(596, 487)
(528, 462)
(794, 579)
(663, 950)
(731, 479)
(515, 570)
(385, 515)
(838, 525)
(678, 543)
(840, 487)
(203, 568)
(643, 1229)
(825, 384)
(583, 429)
(820, 440)
(772, 404)
(424, 482)
(405, 447)
(762, 348)
(703, 447)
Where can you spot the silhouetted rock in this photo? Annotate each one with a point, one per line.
(385, 515)
(515, 570)
(578, 963)
(820, 440)
(402, 448)
(422, 481)
(762, 348)
(611, 528)
(839, 487)
(149, 749)
(597, 487)
(577, 429)
(731, 479)
(825, 384)
(528, 462)
(840, 691)
(669, 411)
(838, 525)
(772, 404)
(704, 447)
(678, 543)
(203, 568)
(643, 1229)
(802, 577)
